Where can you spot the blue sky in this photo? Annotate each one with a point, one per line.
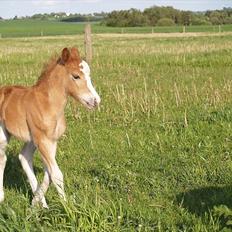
(10, 8)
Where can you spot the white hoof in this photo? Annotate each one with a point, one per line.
(37, 202)
(44, 204)
(1, 198)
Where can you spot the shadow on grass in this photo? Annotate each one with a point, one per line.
(15, 177)
(202, 200)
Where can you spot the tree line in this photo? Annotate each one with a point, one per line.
(65, 17)
(153, 16)
(167, 16)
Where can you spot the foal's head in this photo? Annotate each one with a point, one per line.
(79, 84)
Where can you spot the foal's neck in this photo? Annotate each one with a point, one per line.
(53, 88)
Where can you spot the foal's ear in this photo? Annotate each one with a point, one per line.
(75, 53)
(65, 55)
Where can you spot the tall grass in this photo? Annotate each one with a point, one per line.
(156, 155)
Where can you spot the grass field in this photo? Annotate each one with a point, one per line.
(28, 28)
(157, 154)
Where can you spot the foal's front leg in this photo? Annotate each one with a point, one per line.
(47, 149)
(41, 190)
(26, 159)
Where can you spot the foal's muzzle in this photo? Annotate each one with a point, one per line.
(90, 102)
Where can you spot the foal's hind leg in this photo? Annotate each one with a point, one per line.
(4, 138)
(26, 159)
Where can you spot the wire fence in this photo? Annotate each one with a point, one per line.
(75, 29)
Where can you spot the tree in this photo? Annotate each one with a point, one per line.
(186, 18)
(126, 18)
(215, 17)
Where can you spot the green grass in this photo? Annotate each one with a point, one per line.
(28, 28)
(156, 156)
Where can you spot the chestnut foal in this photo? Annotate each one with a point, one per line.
(35, 115)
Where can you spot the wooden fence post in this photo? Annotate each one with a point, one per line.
(219, 28)
(184, 29)
(88, 44)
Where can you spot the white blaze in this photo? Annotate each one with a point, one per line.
(86, 70)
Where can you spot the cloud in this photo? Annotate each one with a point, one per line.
(90, 1)
(45, 2)
(50, 3)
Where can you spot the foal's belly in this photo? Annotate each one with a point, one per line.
(18, 128)
(15, 121)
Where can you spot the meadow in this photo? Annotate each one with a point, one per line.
(29, 28)
(155, 156)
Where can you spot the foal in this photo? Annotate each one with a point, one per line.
(35, 115)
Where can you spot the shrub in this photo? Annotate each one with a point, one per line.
(215, 21)
(165, 22)
(201, 22)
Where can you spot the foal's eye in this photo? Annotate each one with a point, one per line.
(76, 77)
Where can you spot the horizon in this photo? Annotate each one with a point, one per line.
(31, 7)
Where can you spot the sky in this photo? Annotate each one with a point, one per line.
(10, 8)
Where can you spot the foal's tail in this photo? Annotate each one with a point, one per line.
(4, 92)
